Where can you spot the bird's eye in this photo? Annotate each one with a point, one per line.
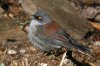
(38, 17)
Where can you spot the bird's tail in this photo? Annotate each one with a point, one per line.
(81, 48)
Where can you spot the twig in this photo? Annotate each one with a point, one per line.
(64, 55)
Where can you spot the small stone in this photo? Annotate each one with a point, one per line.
(97, 43)
(11, 15)
(21, 1)
(22, 51)
(43, 64)
(15, 63)
(11, 52)
(32, 49)
(68, 62)
(91, 64)
(5, 15)
(26, 55)
(65, 61)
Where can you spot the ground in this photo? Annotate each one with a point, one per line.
(17, 50)
(22, 51)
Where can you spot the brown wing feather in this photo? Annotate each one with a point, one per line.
(51, 28)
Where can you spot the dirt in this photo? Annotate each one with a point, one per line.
(24, 54)
(17, 40)
(17, 50)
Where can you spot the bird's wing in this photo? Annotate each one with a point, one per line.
(53, 33)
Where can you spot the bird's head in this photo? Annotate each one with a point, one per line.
(39, 18)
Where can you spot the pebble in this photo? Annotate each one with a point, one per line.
(68, 62)
(33, 49)
(11, 52)
(97, 43)
(43, 64)
(15, 63)
(26, 55)
(22, 51)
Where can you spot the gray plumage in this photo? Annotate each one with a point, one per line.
(45, 34)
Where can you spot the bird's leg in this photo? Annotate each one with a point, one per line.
(64, 55)
(55, 52)
(51, 54)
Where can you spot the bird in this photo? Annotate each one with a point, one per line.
(46, 34)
